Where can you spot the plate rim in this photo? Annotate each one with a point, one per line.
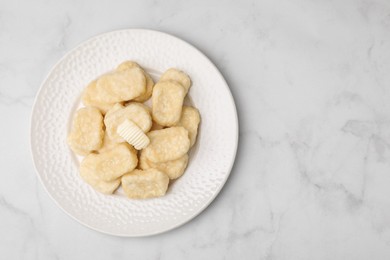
(236, 130)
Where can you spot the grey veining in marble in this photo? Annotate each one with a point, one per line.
(312, 86)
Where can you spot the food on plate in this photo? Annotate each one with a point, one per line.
(88, 174)
(167, 102)
(174, 169)
(190, 120)
(118, 132)
(143, 184)
(108, 144)
(136, 112)
(149, 81)
(112, 164)
(178, 76)
(132, 134)
(91, 97)
(167, 144)
(129, 64)
(122, 85)
(86, 134)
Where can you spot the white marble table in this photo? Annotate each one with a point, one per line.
(311, 80)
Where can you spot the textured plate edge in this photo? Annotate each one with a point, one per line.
(232, 160)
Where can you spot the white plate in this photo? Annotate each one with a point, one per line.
(211, 159)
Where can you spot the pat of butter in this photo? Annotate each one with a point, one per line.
(134, 135)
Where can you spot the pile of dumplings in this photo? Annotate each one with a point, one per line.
(124, 141)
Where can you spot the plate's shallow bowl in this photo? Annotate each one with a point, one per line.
(211, 159)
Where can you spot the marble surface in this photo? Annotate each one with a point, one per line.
(312, 87)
